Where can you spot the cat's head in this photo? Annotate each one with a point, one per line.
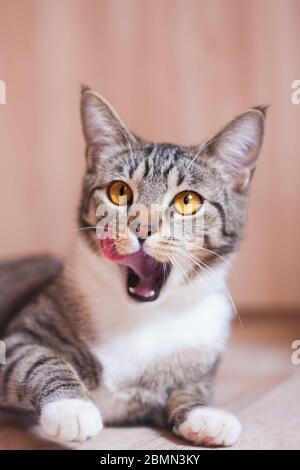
(164, 213)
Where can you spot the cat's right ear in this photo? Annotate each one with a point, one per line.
(236, 147)
(104, 131)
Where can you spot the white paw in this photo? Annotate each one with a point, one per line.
(71, 420)
(209, 427)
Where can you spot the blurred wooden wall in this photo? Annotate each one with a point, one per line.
(176, 70)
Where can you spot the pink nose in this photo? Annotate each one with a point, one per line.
(143, 230)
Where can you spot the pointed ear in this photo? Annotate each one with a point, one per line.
(105, 133)
(236, 147)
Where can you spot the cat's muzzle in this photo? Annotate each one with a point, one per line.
(147, 289)
(146, 276)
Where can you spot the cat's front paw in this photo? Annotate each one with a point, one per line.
(69, 420)
(209, 427)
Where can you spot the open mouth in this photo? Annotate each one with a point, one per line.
(145, 275)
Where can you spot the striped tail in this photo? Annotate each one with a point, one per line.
(20, 279)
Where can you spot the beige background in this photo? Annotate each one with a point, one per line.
(176, 70)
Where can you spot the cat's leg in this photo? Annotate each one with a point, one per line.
(35, 378)
(189, 415)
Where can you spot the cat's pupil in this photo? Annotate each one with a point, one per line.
(122, 191)
(186, 200)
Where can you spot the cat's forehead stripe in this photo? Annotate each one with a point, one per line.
(157, 160)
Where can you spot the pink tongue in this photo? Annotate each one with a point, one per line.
(146, 267)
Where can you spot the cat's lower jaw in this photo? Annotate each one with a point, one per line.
(71, 420)
(210, 427)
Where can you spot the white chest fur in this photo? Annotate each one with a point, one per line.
(128, 355)
(132, 340)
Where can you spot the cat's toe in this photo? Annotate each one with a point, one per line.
(209, 427)
(69, 420)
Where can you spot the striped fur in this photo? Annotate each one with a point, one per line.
(70, 330)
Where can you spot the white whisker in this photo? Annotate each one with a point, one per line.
(203, 266)
(83, 228)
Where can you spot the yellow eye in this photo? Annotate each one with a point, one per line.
(120, 193)
(187, 202)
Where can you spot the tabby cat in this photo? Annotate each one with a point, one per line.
(130, 330)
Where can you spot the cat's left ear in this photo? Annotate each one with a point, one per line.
(104, 131)
(237, 146)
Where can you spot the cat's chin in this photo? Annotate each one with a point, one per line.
(145, 275)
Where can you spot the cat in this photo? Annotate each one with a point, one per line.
(131, 328)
